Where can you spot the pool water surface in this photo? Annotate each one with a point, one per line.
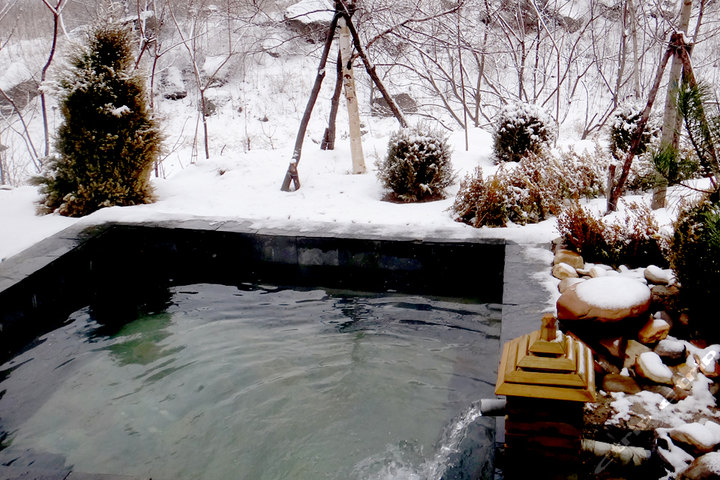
(260, 382)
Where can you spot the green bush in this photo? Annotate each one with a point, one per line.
(417, 166)
(695, 257)
(108, 141)
(634, 239)
(522, 130)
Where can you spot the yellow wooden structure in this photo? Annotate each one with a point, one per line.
(546, 365)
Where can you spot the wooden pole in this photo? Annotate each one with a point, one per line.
(291, 176)
(328, 142)
(617, 190)
(358, 161)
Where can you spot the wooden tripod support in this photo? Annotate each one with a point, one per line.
(342, 10)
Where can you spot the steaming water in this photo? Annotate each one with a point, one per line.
(257, 383)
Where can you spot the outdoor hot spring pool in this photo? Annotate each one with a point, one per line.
(260, 382)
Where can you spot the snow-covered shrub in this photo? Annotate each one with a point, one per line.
(521, 194)
(522, 129)
(623, 125)
(695, 257)
(529, 191)
(108, 141)
(633, 239)
(580, 175)
(417, 166)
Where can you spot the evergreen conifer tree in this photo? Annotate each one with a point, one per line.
(108, 141)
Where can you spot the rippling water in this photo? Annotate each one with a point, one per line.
(257, 382)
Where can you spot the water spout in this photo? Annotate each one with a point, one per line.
(492, 407)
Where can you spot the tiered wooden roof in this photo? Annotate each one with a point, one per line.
(547, 364)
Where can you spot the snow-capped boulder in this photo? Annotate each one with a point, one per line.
(671, 350)
(605, 299)
(705, 467)
(654, 330)
(700, 437)
(648, 365)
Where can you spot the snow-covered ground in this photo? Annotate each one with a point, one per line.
(246, 185)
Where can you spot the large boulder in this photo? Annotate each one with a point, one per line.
(605, 299)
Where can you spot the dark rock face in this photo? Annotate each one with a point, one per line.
(21, 94)
(404, 102)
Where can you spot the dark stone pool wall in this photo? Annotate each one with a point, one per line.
(110, 264)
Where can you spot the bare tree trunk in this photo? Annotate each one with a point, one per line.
(462, 82)
(636, 54)
(291, 176)
(622, 56)
(190, 43)
(56, 11)
(26, 132)
(3, 167)
(356, 152)
(670, 134)
(328, 142)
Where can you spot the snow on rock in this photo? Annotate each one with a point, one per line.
(671, 349)
(702, 437)
(566, 283)
(700, 403)
(311, 11)
(649, 365)
(659, 276)
(563, 270)
(673, 456)
(607, 299)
